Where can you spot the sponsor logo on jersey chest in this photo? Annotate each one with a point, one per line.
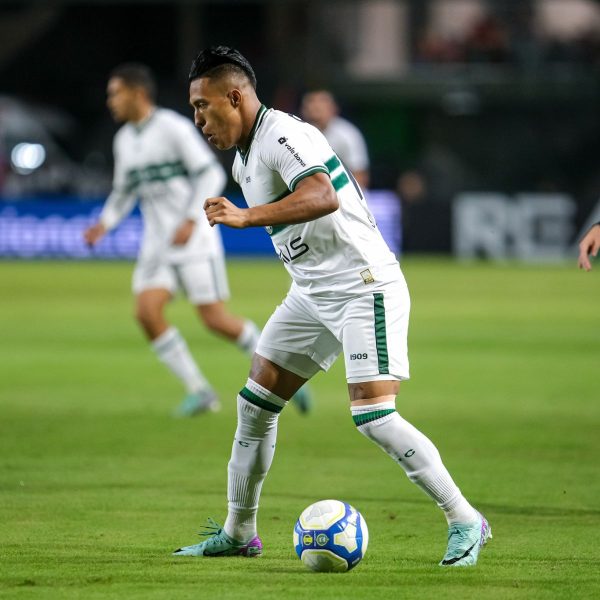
(283, 140)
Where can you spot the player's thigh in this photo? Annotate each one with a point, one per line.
(374, 332)
(153, 275)
(204, 281)
(295, 339)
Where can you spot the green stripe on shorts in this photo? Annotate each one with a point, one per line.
(381, 335)
(251, 397)
(371, 416)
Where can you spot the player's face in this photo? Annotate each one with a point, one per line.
(215, 113)
(120, 99)
(318, 108)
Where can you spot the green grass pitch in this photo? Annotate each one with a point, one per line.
(98, 484)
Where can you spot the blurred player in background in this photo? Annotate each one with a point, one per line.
(590, 244)
(320, 109)
(161, 159)
(348, 296)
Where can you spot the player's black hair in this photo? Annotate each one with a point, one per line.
(215, 60)
(136, 75)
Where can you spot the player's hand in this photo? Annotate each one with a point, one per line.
(184, 232)
(222, 211)
(590, 244)
(92, 235)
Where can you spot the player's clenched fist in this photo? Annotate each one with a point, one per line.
(223, 211)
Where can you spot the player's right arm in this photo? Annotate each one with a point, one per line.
(313, 197)
(118, 205)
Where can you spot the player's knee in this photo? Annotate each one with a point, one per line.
(215, 320)
(147, 316)
(213, 323)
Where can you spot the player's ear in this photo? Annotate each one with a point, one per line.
(235, 97)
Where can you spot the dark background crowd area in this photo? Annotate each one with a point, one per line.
(500, 104)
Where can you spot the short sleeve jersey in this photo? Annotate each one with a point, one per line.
(342, 253)
(154, 162)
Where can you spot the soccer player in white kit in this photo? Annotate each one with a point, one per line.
(320, 109)
(348, 296)
(161, 159)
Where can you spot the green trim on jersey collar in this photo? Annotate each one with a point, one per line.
(139, 127)
(260, 115)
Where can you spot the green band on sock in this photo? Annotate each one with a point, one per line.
(364, 418)
(251, 397)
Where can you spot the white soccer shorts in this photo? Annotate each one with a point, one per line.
(203, 281)
(305, 335)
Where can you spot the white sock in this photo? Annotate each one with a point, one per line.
(416, 454)
(171, 349)
(251, 457)
(248, 339)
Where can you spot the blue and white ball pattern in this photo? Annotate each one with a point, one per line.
(331, 536)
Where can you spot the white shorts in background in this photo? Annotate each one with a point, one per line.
(305, 336)
(203, 281)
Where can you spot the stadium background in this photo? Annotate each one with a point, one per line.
(454, 96)
(482, 122)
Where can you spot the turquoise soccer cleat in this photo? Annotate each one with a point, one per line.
(198, 402)
(218, 543)
(302, 399)
(464, 543)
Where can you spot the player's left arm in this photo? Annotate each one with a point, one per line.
(312, 198)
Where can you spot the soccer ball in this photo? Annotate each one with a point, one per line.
(331, 536)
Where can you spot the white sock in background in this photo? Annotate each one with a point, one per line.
(171, 349)
(251, 457)
(416, 454)
(248, 339)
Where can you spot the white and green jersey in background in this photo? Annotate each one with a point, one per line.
(339, 254)
(348, 142)
(165, 164)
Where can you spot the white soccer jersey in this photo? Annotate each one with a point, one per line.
(166, 165)
(348, 143)
(339, 254)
